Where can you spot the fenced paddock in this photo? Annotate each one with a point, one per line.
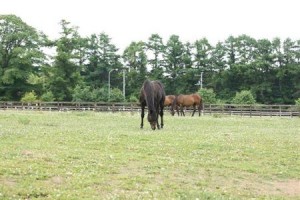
(105, 155)
(209, 109)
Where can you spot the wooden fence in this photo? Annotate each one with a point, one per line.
(210, 109)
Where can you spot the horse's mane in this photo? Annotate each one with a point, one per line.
(149, 95)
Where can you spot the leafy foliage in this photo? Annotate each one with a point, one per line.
(47, 97)
(244, 97)
(298, 102)
(20, 56)
(29, 97)
(208, 96)
(269, 69)
(116, 95)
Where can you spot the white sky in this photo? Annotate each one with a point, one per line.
(134, 20)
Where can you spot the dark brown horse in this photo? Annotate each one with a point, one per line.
(153, 96)
(181, 101)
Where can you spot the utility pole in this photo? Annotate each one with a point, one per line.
(201, 76)
(200, 82)
(109, 83)
(124, 84)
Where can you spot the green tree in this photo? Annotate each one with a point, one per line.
(102, 57)
(135, 59)
(218, 61)
(287, 71)
(21, 57)
(65, 73)
(265, 74)
(174, 65)
(155, 51)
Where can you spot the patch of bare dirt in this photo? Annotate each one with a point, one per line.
(283, 188)
(57, 180)
(289, 187)
(27, 153)
(8, 182)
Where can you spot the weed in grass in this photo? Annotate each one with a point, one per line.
(24, 120)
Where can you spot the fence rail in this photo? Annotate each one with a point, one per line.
(210, 109)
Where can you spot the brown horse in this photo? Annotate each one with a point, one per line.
(181, 101)
(153, 96)
(169, 101)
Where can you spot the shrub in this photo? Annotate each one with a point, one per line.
(29, 97)
(47, 97)
(100, 94)
(133, 98)
(116, 95)
(244, 97)
(297, 102)
(81, 93)
(208, 95)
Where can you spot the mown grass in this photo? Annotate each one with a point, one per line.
(90, 155)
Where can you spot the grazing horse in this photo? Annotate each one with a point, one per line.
(152, 95)
(169, 100)
(187, 100)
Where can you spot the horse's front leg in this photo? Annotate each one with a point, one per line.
(161, 116)
(142, 116)
(158, 126)
(194, 106)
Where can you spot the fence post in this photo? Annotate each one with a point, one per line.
(280, 110)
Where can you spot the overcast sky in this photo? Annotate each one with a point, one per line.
(134, 20)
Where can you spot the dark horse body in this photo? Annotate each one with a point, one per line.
(186, 101)
(153, 96)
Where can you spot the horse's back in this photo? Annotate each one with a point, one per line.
(188, 100)
(197, 98)
(153, 86)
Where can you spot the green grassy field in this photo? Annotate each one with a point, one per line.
(90, 155)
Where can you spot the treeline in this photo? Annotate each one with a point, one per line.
(76, 68)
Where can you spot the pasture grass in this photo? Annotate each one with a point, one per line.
(91, 155)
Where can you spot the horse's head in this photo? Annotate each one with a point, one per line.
(152, 119)
(172, 111)
(173, 106)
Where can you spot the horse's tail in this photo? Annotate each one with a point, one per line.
(201, 103)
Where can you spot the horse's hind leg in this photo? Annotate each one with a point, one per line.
(142, 116)
(181, 110)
